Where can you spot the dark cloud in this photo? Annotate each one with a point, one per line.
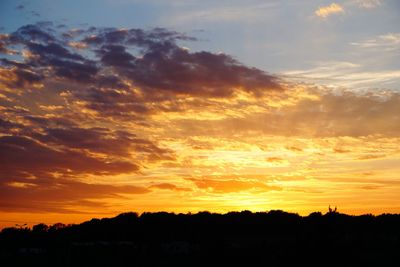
(40, 150)
(3, 49)
(102, 140)
(18, 75)
(44, 123)
(151, 61)
(61, 196)
(134, 37)
(32, 33)
(35, 14)
(50, 56)
(41, 168)
(64, 133)
(117, 56)
(110, 82)
(94, 139)
(23, 155)
(52, 50)
(110, 100)
(4, 43)
(42, 174)
(163, 65)
(6, 125)
(72, 70)
(198, 74)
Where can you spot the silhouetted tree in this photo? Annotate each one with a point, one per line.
(235, 238)
(40, 228)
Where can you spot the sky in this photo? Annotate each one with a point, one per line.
(185, 106)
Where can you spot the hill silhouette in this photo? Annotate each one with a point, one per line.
(274, 238)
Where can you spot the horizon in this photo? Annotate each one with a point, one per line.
(188, 106)
(330, 211)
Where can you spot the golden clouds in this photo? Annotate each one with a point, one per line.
(327, 113)
(331, 9)
(178, 130)
(229, 186)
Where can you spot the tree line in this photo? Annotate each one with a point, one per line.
(276, 237)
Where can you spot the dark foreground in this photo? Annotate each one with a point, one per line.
(274, 238)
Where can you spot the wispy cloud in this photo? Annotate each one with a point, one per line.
(368, 4)
(389, 41)
(327, 11)
(222, 13)
(345, 74)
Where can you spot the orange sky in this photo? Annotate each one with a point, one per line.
(98, 122)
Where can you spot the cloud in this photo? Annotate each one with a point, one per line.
(346, 74)
(62, 196)
(20, 7)
(233, 12)
(68, 97)
(19, 76)
(368, 4)
(90, 117)
(165, 67)
(232, 186)
(101, 140)
(23, 157)
(347, 114)
(389, 41)
(37, 144)
(43, 163)
(46, 157)
(3, 45)
(168, 186)
(329, 10)
(121, 72)
(314, 114)
(274, 159)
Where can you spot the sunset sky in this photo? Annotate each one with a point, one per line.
(110, 106)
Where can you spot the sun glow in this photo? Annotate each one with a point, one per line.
(255, 112)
